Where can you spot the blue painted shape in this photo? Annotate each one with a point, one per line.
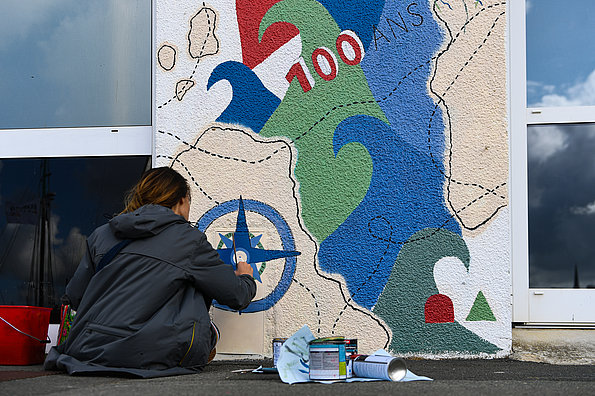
(401, 89)
(241, 242)
(251, 104)
(405, 196)
(356, 15)
(287, 242)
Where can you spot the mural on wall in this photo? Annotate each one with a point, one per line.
(355, 152)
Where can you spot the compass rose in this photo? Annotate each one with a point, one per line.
(248, 247)
(241, 247)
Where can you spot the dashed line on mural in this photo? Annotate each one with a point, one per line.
(204, 43)
(475, 52)
(364, 283)
(193, 146)
(190, 175)
(211, 30)
(492, 191)
(315, 303)
(436, 230)
(188, 149)
(441, 99)
(436, 57)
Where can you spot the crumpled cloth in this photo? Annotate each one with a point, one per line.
(292, 364)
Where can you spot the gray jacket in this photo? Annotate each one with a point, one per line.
(146, 312)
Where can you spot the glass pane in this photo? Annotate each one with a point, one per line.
(72, 63)
(561, 172)
(41, 248)
(560, 53)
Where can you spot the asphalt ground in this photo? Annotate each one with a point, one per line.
(460, 377)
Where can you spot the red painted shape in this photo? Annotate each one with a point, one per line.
(299, 70)
(439, 309)
(250, 13)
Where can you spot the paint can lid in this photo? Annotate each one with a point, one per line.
(328, 340)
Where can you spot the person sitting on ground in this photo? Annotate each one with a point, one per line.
(146, 311)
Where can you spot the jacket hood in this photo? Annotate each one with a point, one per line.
(146, 221)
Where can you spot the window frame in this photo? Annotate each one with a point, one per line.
(534, 306)
(113, 140)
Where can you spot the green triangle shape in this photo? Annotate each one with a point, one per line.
(480, 310)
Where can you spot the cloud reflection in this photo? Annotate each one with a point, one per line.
(22, 18)
(561, 183)
(546, 142)
(70, 63)
(589, 209)
(579, 94)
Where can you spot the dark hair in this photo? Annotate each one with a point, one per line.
(160, 186)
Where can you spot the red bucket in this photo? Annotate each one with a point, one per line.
(16, 348)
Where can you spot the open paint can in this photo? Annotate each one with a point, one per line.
(327, 359)
(277, 344)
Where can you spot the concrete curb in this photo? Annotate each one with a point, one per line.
(554, 346)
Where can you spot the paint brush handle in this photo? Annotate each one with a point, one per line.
(235, 253)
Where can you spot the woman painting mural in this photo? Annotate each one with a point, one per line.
(144, 288)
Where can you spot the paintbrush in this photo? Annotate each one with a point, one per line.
(235, 253)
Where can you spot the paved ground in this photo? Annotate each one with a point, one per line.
(461, 377)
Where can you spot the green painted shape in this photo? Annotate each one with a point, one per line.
(401, 304)
(330, 187)
(480, 310)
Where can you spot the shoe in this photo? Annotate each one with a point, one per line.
(212, 355)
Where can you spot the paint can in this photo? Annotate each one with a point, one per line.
(350, 350)
(327, 359)
(350, 347)
(378, 366)
(277, 344)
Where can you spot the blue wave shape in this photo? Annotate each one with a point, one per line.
(405, 196)
(252, 104)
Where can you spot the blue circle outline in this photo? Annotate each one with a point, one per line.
(287, 242)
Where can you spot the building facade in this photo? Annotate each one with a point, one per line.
(394, 171)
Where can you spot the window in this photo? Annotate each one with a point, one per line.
(47, 209)
(552, 119)
(76, 131)
(75, 77)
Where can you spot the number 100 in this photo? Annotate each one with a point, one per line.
(350, 50)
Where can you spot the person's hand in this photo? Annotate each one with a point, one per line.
(243, 269)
